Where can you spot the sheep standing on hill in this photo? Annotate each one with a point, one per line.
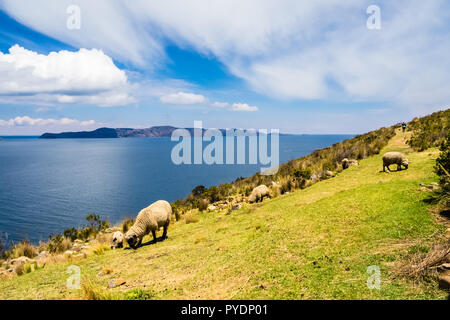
(259, 193)
(397, 158)
(346, 163)
(117, 240)
(149, 219)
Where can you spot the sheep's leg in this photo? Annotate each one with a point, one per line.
(164, 236)
(154, 235)
(399, 167)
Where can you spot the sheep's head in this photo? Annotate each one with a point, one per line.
(345, 163)
(132, 240)
(117, 240)
(405, 163)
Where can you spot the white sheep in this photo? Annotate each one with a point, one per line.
(397, 158)
(346, 163)
(152, 218)
(259, 193)
(117, 240)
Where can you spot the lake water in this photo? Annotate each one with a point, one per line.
(49, 185)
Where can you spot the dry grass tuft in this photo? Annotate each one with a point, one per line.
(100, 249)
(421, 265)
(19, 269)
(94, 292)
(127, 223)
(107, 270)
(189, 218)
(24, 248)
(104, 238)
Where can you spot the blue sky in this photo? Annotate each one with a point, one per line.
(301, 67)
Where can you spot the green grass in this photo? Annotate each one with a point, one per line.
(314, 243)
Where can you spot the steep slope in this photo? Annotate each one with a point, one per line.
(315, 243)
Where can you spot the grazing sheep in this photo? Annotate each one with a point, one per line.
(149, 219)
(346, 163)
(397, 158)
(117, 240)
(259, 193)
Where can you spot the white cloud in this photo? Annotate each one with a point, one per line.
(183, 98)
(243, 107)
(286, 48)
(85, 76)
(221, 104)
(27, 121)
(240, 107)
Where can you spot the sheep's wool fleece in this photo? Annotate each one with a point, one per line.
(153, 217)
(394, 158)
(259, 192)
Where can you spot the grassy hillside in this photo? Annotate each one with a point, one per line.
(314, 243)
(295, 174)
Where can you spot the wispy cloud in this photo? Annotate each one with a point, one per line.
(240, 107)
(28, 121)
(183, 98)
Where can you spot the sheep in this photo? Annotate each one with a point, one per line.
(397, 158)
(259, 193)
(117, 240)
(346, 163)
(152, 218)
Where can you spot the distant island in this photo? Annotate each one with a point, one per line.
(111, 133)
(153, 132)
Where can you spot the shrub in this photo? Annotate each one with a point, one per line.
(24, 248)
(198, 191)
(127, 223)
(303, 173)
(71, 233)
(138, 294)
(2, 248)
(429, 131)
(202, 205)
(443, 161)
(274, 191)
(58, 244)
(443, 170)
(286, 186)
(96, 223)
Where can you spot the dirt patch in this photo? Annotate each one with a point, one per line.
(157, 255)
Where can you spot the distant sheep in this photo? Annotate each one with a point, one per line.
(346, 163)
(117, 240)
(149, 219)
(397, 158)
(258, 194)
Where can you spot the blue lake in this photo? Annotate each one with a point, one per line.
(49, 185)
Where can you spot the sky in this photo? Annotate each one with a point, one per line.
(312, 67)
